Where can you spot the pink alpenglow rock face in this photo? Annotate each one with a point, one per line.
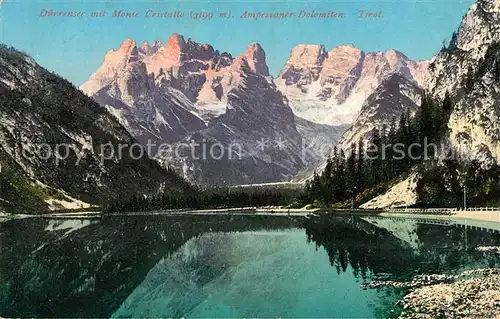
(176, 43)
(256, 58)
(127, 46)
(304, 65)
(172, 63)
(181, 91)
(330, 87)
(340, 70)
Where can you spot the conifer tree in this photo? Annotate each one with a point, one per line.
(351, 167)
(360, 170)
(375, 161)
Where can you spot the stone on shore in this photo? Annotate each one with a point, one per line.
(477, 297)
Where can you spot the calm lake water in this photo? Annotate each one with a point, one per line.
(224, 266)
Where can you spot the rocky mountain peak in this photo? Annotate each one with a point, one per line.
(168, 56)
(341, 62)
(330, 87)
(480, 20)
(395, 54)
(175, 43)
(127, 46)
(468, 70)
(189, 91)
(346, 49)
(145, 48)
(394, 57)
(240, 63)
(477, 31)
(307, 55)
(256, 59)
(208, 48)
(303, 66)
(115, 62)
(394, 96)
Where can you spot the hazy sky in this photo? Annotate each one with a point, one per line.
(74, 47)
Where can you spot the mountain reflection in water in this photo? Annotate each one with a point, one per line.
(223, 266)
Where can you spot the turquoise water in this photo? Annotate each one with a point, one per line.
(224, 266)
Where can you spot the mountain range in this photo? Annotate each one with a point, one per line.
(181, 92)
(222, 119)
(330, 87)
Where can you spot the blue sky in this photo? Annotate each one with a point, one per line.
(75, 48)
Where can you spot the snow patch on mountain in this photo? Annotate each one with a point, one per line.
(331, 87)
(184, 92)
(395, 96)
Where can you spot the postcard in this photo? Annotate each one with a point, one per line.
(250, 159)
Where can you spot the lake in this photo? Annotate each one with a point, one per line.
(216, 266)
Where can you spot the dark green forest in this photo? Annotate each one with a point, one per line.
(211, 199)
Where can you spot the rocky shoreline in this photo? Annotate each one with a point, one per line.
(427, 280)
(489, 249)
(471, 294)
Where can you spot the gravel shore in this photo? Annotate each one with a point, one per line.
(478, 296)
